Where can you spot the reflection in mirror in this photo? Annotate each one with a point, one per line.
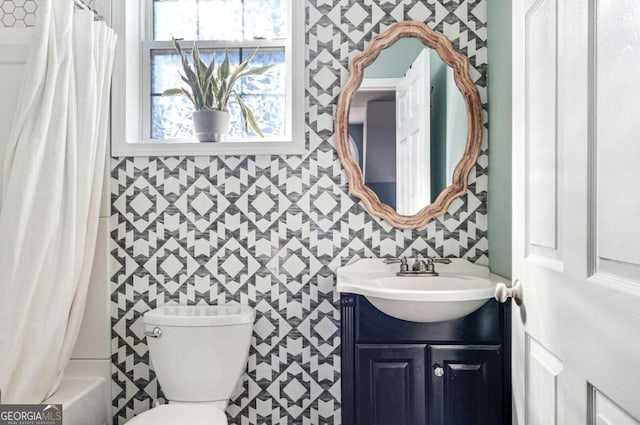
(408, 119)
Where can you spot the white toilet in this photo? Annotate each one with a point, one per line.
(199, 353)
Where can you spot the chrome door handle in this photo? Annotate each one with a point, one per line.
(155, 333)
(503, 293)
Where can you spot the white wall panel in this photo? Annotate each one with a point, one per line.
(95, 333)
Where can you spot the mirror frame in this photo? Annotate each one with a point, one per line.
(460, 65)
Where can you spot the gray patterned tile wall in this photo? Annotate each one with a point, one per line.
(270, 231)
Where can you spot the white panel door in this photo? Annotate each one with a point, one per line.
(413, 137)
(576, 250)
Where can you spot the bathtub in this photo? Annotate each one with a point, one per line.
(82, 400)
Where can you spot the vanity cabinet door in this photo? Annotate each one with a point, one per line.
(465, 385)
(391, 384)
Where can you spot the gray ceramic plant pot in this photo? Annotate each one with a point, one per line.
(211, 126)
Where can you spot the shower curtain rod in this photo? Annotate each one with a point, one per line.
(83, 5)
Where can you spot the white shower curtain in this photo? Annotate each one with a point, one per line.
(50, 198)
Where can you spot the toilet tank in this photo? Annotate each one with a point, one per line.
(201, 352)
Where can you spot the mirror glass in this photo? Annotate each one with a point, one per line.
(408, 121)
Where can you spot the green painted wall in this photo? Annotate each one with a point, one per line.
(456, 126)
(499, 86)
(438, 124)
(394, 61)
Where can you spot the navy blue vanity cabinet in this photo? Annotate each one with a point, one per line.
(466, 385)
(392, 384)
(403, 373)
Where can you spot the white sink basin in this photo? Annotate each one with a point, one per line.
(461, 289)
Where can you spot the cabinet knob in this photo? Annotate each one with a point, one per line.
(438, 370)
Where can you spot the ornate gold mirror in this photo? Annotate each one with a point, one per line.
(409, 125)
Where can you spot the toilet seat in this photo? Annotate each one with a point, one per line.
(181, 414)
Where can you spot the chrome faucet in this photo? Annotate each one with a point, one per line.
(421, 266)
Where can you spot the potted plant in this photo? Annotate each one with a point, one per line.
(211, 89)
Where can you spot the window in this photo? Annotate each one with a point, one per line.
(147, 123)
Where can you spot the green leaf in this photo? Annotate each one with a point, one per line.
(244, 64)
(237, 73)
(247, 115)
(194, 83)
(210, 70)
(257, 71)
(173, 92)
(225, 67)
(214, 90)
(223, 95)
(240, 69)
(177, 46)
(199, 65)
(190, 97)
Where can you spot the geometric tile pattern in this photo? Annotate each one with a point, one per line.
(22, 13)
(270, 231)
(18, 13)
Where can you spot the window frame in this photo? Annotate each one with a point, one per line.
(131, 93)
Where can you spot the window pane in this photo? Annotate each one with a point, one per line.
(164, 71)
(171, 118)
(265, 19)
(220, 19)
(269, 113)
(175, 18)
(265, 94)
(273, 82)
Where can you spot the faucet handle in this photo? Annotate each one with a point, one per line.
(404, 263)
(431, 259)
(441, 260)
(402, 260)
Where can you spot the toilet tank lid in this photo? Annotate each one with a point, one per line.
(208, 315)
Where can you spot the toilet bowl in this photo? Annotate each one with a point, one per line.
(198, 354)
